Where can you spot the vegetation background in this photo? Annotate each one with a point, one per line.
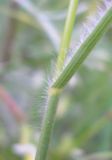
(29, 43)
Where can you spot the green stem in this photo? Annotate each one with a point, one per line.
(65, 43)
(84, 50)
(55, 93)
(64, 77)
(47, 127)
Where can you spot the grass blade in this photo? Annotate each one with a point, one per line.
(84, 50)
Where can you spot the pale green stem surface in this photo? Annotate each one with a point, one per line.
(64, 77)
(47, 127)
(54, 95)
(69, 25)
(84, 50)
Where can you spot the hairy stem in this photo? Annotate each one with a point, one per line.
(47, 126)
(55, 93)
(83, 51)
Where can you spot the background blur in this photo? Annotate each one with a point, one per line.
(29, 42)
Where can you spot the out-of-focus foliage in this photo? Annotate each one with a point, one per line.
(28, 53)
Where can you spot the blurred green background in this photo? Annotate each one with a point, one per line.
(30, 35)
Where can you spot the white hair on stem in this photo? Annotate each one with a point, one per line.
(88, 27)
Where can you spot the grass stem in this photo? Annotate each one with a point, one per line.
(65, 42)
(54, 93)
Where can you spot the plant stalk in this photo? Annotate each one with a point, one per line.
(54, 93)
(67, 34)
(47, 126)
(64, 77)
(84, 50)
